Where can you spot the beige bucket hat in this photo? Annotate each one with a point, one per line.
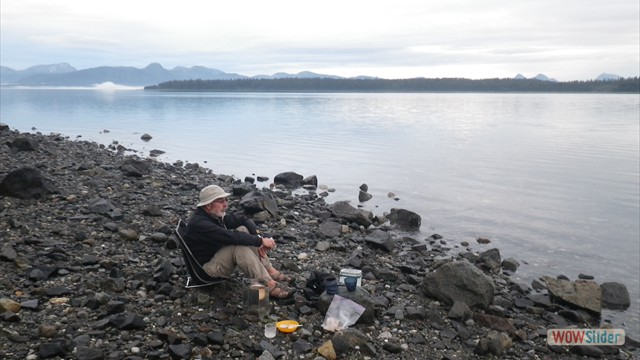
(211, 193)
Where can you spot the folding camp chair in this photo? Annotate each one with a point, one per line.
(195, 274)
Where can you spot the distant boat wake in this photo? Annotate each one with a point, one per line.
(110, 86)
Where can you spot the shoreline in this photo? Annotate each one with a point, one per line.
(61, 231)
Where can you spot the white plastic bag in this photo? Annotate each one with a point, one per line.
(341, 314)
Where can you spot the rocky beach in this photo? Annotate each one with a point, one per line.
(91, 270)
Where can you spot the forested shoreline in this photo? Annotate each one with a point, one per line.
(415, 85)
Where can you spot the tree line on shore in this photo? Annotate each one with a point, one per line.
(414, 85)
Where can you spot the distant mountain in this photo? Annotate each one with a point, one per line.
(300, 75)
(541, 77)
(65, 75)
(608, 77)
(8, 75)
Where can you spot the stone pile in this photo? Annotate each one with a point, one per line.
(90, 270)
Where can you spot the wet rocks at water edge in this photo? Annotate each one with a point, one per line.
(91, 271)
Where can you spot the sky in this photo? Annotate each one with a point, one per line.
(476, 39)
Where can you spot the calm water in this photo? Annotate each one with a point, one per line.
(552, 179)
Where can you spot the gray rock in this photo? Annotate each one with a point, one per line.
(310, 180)
(127, 321)
(364, 196)
(380, 239)
(49, 350)
(344, 210)
(489, 260)
(86, 353)
(459, 310)
(323, 246)
(180, 351)
(289, 179)
(24, 144)
(152, 210)
(26, 183)
(156, 152)
(494, 322)
(459, 281)
(615, 296)
(302, 346)
(585, 294)
(7, 252)
(259, 201)
(405, 219)
(128, 234)
(588, 351)
(163, 271)
(135, 168)
(415, 313)
(510, 264)
(57, 291)
(494, 343)
(105, 207)
(330, 229)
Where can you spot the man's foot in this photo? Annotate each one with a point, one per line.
(281, 292)
(280, 277)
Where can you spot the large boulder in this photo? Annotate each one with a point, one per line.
(615, 296)
(585, 294)
(380, 239)
(135, 168)
(405, 219)
(344, 210)
(459, 281)
(289, 179)
(330, 229)
(24, 144)
(258, 202)
(489, 260)
(26, 183)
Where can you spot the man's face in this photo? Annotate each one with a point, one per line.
(218, 207)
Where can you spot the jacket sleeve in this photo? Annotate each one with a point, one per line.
(235, 220)
(214, 233)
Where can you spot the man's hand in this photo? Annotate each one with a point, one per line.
(267, 244)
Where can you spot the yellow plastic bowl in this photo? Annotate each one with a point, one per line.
(287, 326)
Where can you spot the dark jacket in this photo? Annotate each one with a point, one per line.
(206, 235)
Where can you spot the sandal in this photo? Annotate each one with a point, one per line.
(281, 292)
(280, 277)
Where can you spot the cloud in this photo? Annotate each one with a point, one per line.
(75, 41)
(407, 36)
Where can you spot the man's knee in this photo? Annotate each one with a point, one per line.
(242, 228)
(243, 252)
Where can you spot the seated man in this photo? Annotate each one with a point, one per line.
(222, 241)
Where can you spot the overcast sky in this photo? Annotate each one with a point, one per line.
(563, 39)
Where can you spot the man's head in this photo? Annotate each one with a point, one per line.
(214, 200)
